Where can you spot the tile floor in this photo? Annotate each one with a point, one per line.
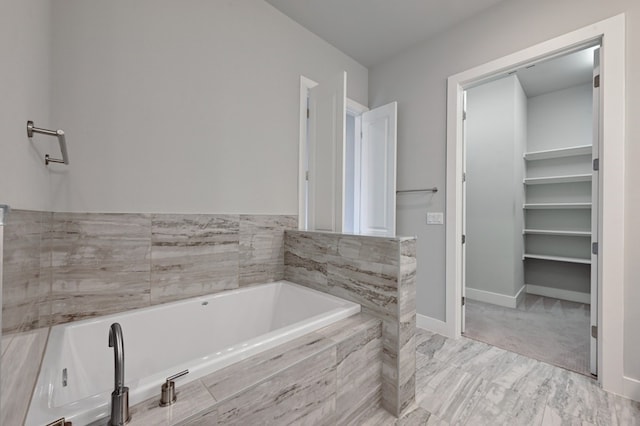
(466, 382)
(550, 330)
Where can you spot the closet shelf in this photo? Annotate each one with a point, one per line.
(557, 258)
(558, 153)
(557, 232)
(556, 206)
(558, 179)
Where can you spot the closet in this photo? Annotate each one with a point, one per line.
(558, 187)
(530, 211)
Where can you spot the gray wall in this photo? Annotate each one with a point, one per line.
(416, 79)
(188, 106)
(561, 118)
(494, 137)
(24, 95)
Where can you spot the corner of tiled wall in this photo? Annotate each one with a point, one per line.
(379, 274)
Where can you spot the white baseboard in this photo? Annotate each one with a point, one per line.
(631, 388)
(431, 324)
(573, 296)
(495, 298)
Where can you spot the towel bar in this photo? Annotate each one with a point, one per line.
(31, 129)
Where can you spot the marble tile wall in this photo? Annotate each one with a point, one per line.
(99, 264)
(378, 273)
(26, 280)
(62, 267)
(21, 357)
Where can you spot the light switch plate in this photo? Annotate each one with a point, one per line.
(435, 218)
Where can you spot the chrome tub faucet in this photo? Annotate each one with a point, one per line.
(120, 395)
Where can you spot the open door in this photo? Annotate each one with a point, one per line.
(595, 154)
(326, 135)
(378, 171)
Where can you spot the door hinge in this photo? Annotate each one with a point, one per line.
(596, 164)
(306, 175)
(594, 331)
(464, 177)
(594, 248)
(596, 81)
(464, 115)
(463, 300)
(308, 113)
(464, 238)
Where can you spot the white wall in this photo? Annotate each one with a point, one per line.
(417, 80)
(560, 119)
(24, 95)
(496, 123)
(188, 106)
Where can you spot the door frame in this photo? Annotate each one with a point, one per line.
(352, 107)
(611, 33)
(355, 110)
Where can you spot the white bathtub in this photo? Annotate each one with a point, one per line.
(202, 334)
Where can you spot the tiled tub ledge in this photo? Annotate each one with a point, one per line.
(379, 274)
(327, 377)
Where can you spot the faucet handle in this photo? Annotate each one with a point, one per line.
(177, 375)
(168, 389)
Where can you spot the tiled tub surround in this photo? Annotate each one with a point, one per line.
(26, 284)
(327, 377)
(61, 267)
(379, 274)
(66, 249)
(203, 335)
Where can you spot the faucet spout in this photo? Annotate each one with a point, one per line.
(116, 342)
(120, 395)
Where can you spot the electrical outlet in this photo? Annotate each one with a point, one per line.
(435, 218)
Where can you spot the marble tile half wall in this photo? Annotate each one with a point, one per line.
(62, 267)
(379, 274)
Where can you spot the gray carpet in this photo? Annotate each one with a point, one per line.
(550, 330)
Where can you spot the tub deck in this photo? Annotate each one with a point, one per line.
(327, 377)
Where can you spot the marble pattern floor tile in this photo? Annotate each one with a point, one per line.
(465, 382)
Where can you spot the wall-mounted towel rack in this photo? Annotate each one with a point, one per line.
(402, 191)
(31, 129)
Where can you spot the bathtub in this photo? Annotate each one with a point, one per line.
(202, 334)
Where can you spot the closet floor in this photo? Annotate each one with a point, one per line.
(550, 330)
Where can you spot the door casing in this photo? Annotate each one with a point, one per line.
(611, 34)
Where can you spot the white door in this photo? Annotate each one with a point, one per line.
(327, 113)
(378, 171)
(594, 212)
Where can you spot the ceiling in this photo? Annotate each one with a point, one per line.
(558, 73)
(371, 31)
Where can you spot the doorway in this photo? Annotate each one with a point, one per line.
(347, 161)
(530, 210)
(610, 258)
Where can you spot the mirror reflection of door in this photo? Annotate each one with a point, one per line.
(348, 162)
